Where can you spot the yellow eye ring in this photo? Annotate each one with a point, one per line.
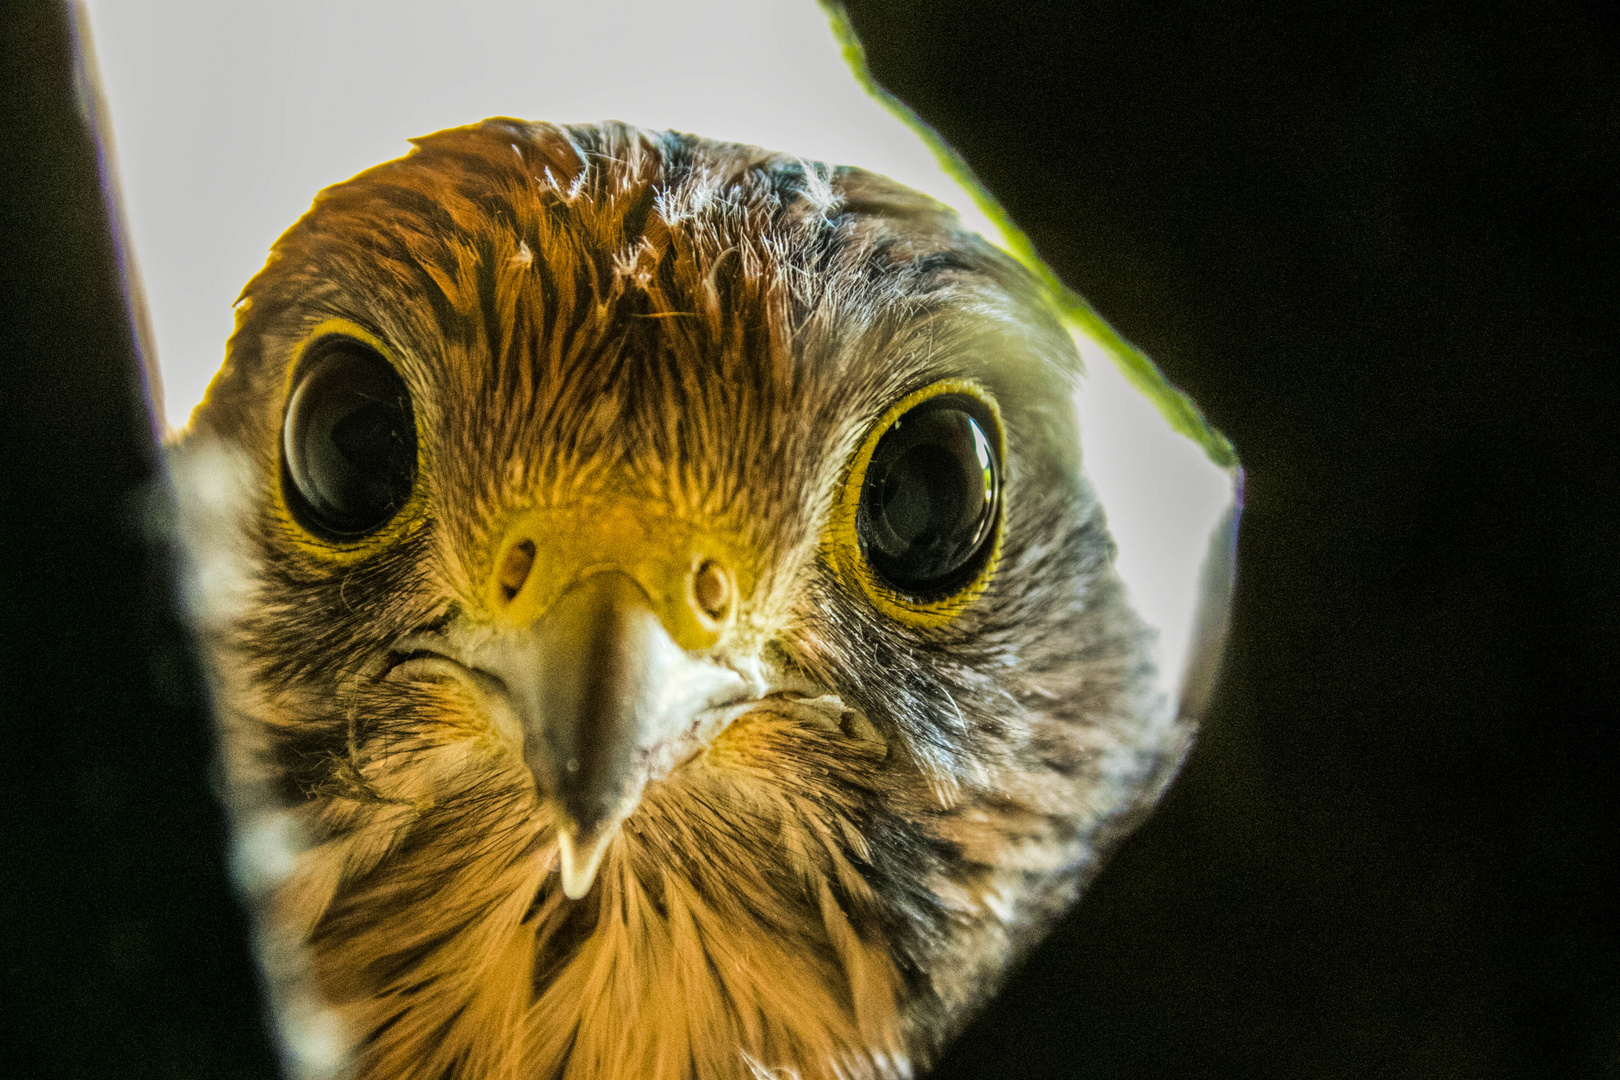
(327, 546)
(844, 550)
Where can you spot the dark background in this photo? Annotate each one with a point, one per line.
(122, 952)
(1376, 242)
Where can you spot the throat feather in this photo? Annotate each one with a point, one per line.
(730, 933)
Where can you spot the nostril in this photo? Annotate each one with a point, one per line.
(711, 588)
(515, 567)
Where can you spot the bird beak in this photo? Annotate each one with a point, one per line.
(607, 700)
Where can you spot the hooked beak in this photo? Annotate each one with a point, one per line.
(607, 700)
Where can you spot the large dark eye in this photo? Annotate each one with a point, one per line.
(348, 441)
(928, 509)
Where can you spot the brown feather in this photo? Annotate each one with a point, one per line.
(603, 316)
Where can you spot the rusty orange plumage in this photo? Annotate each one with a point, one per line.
(717, 668)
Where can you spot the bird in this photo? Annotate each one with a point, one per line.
(669, 608)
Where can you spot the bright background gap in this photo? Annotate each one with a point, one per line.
(228, 118)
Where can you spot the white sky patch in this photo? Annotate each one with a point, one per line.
(1163, 496)
(229, 117)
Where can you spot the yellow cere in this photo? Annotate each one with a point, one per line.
(841, 545)
(638, 538)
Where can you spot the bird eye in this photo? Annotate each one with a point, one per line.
(928, 508)
(348, 441)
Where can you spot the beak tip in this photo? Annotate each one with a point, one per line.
(580, 860)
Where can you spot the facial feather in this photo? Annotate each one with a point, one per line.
(598, 315)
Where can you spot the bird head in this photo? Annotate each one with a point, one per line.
(671, 606)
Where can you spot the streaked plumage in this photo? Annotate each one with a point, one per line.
(619, 341)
